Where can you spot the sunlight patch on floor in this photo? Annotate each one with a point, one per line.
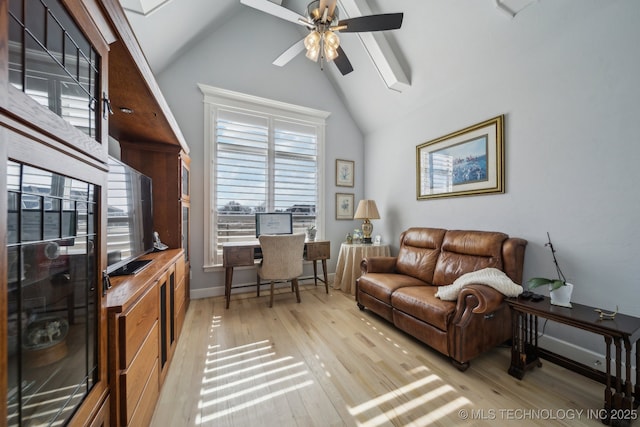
(201, 419)
(250, 368)
(417, 397)
(246, 375)
(392, 395)
(375, 329)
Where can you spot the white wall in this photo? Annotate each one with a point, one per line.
(571, 97)
(238, 57)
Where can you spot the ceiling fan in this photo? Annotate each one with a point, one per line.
(323, 22)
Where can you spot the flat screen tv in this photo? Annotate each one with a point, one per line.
(129, 218)
(274, 223)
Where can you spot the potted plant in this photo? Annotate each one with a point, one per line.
(311, 233)
(559, 290)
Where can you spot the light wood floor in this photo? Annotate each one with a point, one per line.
(323, 362)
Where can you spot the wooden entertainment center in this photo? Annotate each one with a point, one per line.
(145, 315)
(73, 78)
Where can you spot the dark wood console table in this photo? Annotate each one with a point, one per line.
(621, 396)
(245, 254)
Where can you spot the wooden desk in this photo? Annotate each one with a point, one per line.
(243, 254)
(621, 399)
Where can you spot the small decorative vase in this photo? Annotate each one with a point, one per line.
(311, 235)
(562, 295)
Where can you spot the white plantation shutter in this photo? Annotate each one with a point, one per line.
(261, 160)
(295, 182)
(241, 145)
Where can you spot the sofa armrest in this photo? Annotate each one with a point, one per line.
(481, 321)
(480, 299)
(378, 264)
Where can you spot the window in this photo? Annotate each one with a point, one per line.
(261, 156)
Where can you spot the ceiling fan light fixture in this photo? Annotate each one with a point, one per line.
(312, 44)
(329, 53)
(330, 45)
(312, 40)
(313, 54)
(331, 39)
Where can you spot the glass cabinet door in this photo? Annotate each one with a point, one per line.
(185, 230)
(52, 295)
(185, 198)
(53, 62)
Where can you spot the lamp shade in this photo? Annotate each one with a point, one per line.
(367, 209)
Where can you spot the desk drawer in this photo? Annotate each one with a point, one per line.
(237, 256)
(318, 250)
(136, 324)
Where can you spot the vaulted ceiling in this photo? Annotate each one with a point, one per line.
(440, 40)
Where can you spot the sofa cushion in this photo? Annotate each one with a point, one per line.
(422, 303)
(466, 251)
(418, 254)
(382, 285)
(493, 277)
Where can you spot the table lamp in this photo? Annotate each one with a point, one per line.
(367, 210)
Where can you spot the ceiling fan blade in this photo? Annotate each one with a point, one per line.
(382, 22)
(276, 10)
(289, 54)
(342, 62)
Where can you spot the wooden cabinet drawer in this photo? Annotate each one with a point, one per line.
(318, 250)
(179, 271)
(144, 411)
(180, 318)
(179, 295)
(134, 326)
(134, 379)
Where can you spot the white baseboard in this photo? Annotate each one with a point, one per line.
(579, 354)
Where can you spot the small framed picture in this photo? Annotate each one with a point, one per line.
(344, 205)
(344, 173)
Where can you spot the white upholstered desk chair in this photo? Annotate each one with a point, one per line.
(281, 260)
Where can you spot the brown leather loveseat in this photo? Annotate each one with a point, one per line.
(403, 289)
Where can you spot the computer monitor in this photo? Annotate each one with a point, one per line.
(274, 223)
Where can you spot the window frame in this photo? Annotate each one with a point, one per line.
(215, 98)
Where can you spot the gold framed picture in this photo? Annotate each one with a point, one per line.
(466, 162)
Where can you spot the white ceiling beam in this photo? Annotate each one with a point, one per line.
(377, 47)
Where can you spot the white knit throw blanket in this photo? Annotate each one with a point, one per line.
(493, 277)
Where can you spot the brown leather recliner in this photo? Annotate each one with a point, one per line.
(402, 289)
